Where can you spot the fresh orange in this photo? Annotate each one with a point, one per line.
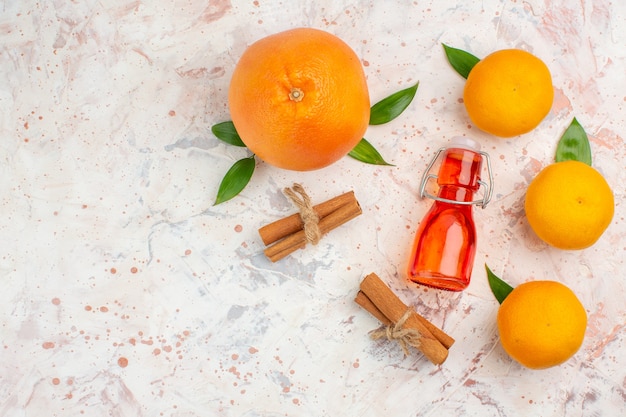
(299, 99)
(508, 93)
(541, 324)
(569, 205)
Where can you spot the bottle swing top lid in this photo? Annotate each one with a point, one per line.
(465, 143)
(460, 142)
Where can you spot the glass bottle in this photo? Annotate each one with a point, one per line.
(445, 244)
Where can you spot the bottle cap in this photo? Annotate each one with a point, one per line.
(465, 143)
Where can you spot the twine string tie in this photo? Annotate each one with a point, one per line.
(404, 337)
(310, 219)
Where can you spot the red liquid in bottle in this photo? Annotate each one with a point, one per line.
(445, 244)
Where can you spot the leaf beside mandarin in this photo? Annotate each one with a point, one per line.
(462, 61)
(574, 145)
(236, 179)
(499, 288)
(365, 152)
(226, 132)
(391, 107)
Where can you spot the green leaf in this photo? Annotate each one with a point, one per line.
(365, 152)
(226, 131)
(391, 107)
(574, 145)
(499, 288)
(235, 179)
(461, 61)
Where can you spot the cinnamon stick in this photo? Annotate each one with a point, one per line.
(284, 227)
(298, 240)
(362, 300)
(391, 306)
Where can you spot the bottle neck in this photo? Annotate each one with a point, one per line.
(460, 167)
(456, 193)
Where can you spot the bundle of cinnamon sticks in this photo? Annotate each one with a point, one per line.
(382, 303)
(287, 235)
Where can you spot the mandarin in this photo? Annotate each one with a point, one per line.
(569, 205)
(508, 93)
(541, 324)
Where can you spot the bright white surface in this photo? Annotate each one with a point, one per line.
(113, 250)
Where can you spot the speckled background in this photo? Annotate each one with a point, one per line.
(126, 292)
